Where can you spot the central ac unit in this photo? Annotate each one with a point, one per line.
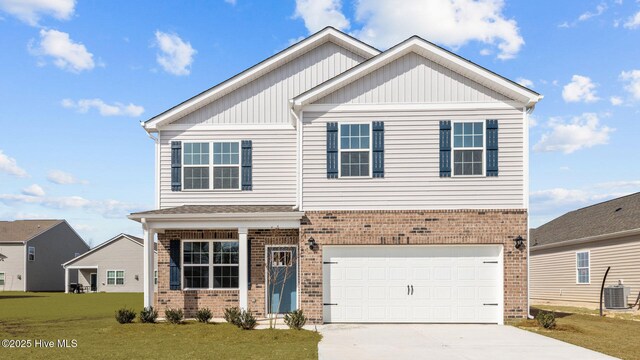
(615, 297)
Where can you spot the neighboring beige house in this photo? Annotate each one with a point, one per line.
(31, 252)
(113, 266)
(569, 255)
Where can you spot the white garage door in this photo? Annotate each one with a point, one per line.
(405, 284)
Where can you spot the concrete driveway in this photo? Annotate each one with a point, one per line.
(438, 341)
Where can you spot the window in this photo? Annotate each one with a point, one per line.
(210, 264)
(31, 253)
(196, 166)
(468, 148)
(355, 150)
(223, 168)
(155, 277)
(1, 279)
(582, 267)
(281, 258)
(115, 277)
(226, 165)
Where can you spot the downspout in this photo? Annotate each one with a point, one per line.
(156, 171)
(526, 112)
(298, 126)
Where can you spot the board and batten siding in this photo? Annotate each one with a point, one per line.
(411, 171)
(553, 271)
(412, 79)
(266, 99)
(274, 168)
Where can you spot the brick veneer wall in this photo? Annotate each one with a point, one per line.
(217, 300)
(410, 228)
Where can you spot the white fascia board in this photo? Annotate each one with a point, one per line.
(207, 224)
(432, 52)
(250, 74)
(587, 239)
(511, 105)
(295, 215)
(223, 127)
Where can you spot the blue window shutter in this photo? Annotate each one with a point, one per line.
(174, 265)
(378, 149)
(492, 147)
(445, 148)
(332, 150)
(249, 264)
(176, 166)
(247, 153)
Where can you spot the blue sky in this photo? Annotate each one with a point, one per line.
(77, 77)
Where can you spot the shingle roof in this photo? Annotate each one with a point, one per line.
(600, 219)
(218, 209)
(23, 230)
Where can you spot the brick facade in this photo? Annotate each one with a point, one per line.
(413, 228)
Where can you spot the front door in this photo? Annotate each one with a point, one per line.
(94, 282)
(282, 278)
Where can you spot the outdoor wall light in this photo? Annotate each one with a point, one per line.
(136, 277)
(519, 242)
(312, 243)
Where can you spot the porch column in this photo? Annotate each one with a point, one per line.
(243, 254)
(148, 267)
(66, 280)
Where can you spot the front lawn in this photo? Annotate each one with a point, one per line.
(609, 335)
(89, 319)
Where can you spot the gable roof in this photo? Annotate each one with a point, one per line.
(120, 236)
(21, 231)
(432, 52)
(604, 220)
(254, 72)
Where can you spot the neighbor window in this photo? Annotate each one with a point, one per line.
(1, 279)
(582, 260)
(155, 277)
(210, 264)
(196, 166)
(31, 253)
(355, 150)
(226, 165)
(468, 148)
(203, 172)
(115, 277)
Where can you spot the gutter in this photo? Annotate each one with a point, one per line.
(588, 239)
(297, 215)
(156, 171)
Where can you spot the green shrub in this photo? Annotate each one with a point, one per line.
(546, 319)
(246, 320)
(232, 315)
(295, 319)
(204, 315)
(125, 316)
(174, 316)
(148, 315)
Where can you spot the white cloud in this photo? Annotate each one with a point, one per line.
(601, 8)
(176, 55)
(10, 166)
(525, 82)
(107, 208)
(580, 132)
(533, 121)
(632, 80)
(318, 14)
(63, 178)
(115, 109)
(580, 89)
(486, 52)
(30, 11)
(33, 190)
(633, 22)
(67, 54)
(615, 100)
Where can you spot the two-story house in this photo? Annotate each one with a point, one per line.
(386, 187)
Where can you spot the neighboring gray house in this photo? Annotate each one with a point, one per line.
(113, 266)
(570, 254)
(31, 252)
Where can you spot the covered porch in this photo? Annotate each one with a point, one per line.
(80, 279)
(215, 256)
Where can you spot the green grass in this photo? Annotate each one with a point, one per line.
(89, 319)
(608, 335)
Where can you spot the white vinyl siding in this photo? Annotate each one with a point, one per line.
(553, 271)
(266, 99)
(412, 177)
(412, 79)
(273, 169)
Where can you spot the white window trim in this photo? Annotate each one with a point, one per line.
(3, 278)
(115, 278)
(484, 148)
(210, 264)
(211, 165)
(588, 252)
(29, 253)
(370, 176)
